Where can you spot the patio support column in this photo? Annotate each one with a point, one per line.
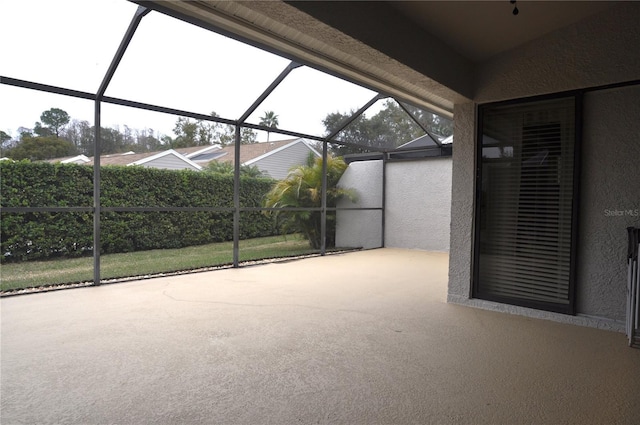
(236, 197)
(384, 196)
(96, 194)
(140, 13)
(323, 208)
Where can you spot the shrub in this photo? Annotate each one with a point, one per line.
(39, 235)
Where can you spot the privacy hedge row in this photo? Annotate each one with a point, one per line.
(29, 236)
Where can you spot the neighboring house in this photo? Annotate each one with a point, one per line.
(168, 160)
(78, 159)
(274, 159)
(202, 155)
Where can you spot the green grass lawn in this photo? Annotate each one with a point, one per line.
(43, 273)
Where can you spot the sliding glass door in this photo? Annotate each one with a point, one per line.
(525, 214)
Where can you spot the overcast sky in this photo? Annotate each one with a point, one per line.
(70, 44)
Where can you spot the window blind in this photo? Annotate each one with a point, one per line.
(525, 220)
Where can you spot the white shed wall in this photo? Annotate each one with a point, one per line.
(418, 198)
(361, 228)
(418, 213)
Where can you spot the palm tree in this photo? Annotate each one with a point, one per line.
(270, 119)
(303, 188)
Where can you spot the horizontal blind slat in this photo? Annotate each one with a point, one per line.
(527, 201)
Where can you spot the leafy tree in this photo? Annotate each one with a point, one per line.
(226, 168)
(251, 171)
(128, 136)
(146, 140)
(220, 167)
(81, 134)
(438, 126)
(186, 132)
(40, 148)
(303, 188)
(166, 140)
(111, 141)
(227, 136)
(248, 136)
(390, 127)
(194, 132)
(24, 133)
(203, 133)
(55, 119)
(270, 119)
(4, 137)
(41, 131)
(5, 141)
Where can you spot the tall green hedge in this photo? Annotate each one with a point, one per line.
(38, 235)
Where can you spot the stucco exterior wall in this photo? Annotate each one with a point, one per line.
(609, 199)
(418, 214)
(361, 228)
(597, 51)
(462, 203)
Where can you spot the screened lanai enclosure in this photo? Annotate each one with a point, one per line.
(142, 73)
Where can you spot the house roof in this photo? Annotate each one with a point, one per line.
(250, 152)
(166, 153)
(122, 158)
(128, 158)
(69, 159)
(192, 151)
(273, 151)
(420, 142)
(78, 159)
(203, 155)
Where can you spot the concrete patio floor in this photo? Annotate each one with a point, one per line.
(357, 338)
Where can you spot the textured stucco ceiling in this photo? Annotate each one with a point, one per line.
(479, 30)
